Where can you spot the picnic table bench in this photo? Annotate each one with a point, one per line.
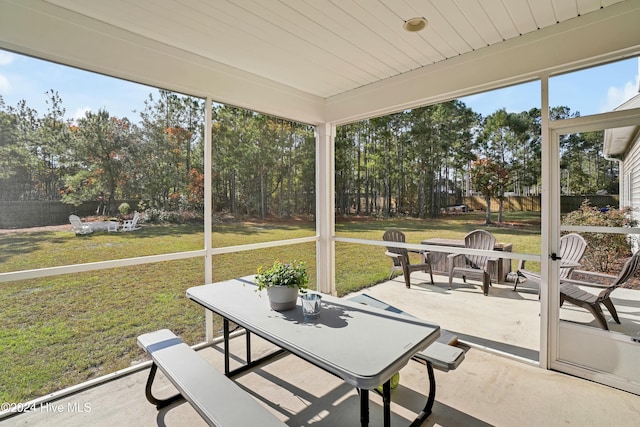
(220, 402)
(216, 398)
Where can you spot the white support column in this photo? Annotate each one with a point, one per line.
(549, 228)
(325, 208)
(208, 211)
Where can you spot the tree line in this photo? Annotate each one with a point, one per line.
(261, 165)
(419, 161)
(414, 162)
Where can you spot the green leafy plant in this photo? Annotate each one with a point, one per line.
(288, 274)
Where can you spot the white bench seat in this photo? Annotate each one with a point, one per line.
(442, 354)
(443, 357)
(218, 400)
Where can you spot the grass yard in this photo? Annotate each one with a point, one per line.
(61, 330)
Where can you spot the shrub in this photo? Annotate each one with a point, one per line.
(160, 216)
(156, 215)
(603, 249)
(124, 208)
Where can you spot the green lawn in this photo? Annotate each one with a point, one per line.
(62, 330)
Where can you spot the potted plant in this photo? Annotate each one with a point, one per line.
(283, 281)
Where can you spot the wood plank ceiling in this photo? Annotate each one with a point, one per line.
(326, 47)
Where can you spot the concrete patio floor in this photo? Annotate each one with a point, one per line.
(486, 390)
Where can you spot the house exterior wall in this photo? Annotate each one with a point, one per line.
(630, 183)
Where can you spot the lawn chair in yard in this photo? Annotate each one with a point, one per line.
(474, 265)
(400, 257)
(79, 227)
(570, 252)
(131, 224)
(570, 290)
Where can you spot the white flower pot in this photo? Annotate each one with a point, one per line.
(282, 298)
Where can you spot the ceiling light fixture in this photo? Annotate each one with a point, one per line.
(415, 24)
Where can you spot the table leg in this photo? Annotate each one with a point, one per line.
(422, 416)
(248, 341)
(386, 399)
(225, 333)
(250, 362)
(364, 407)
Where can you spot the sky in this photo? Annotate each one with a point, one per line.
(23, 77)
(590, 91)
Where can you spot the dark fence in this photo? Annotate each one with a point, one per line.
(43, 213)
(25, 214)
(571, 203)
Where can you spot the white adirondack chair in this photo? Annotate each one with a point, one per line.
(79, 227)
(571, 251)
(131, 224)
